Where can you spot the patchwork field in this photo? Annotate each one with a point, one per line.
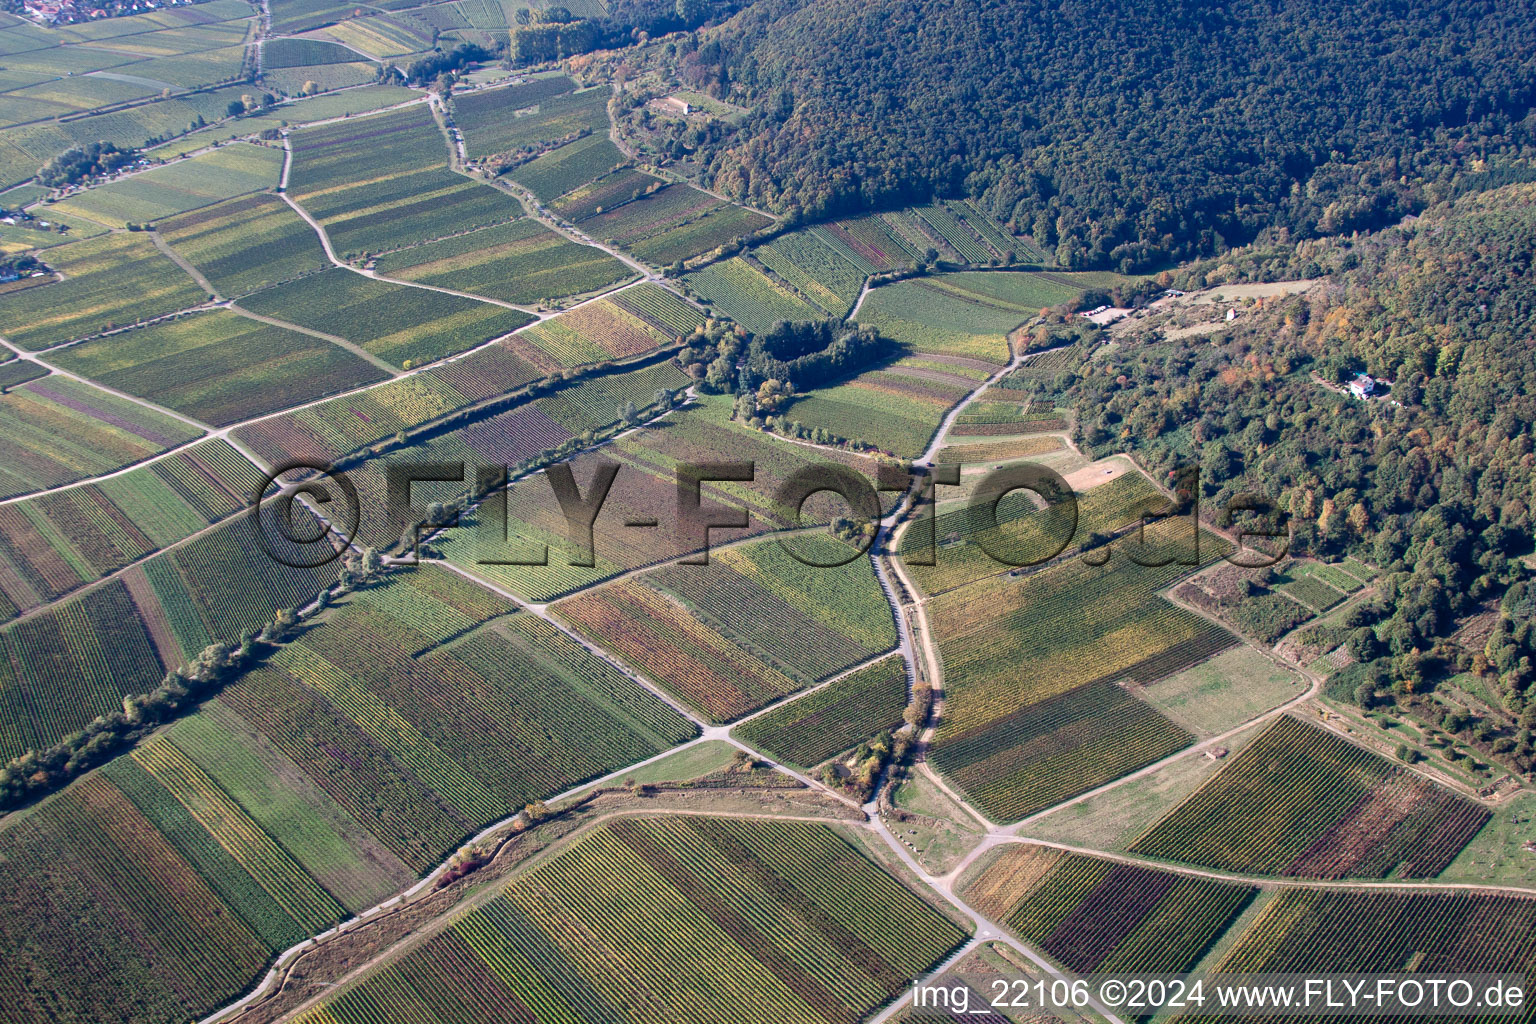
(350, 763)
(160, 192)
(697, 918)
(951, 313)
(835, 718)
(246, 244)
(54, 543)
(335, 428)
(410, 196)
(628, 324)
(731, 637)
(57, 430)
(109, 282)
(1301, 801)
(540, 111)
(1034, 714)
(893, 409)
(218, 367)
(1097, 916)
(521, 262)
(78, 658)
(397, 323)
(645, 488)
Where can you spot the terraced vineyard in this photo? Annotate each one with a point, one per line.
(835, 718)
(754, 922)
(1328, 809)
(311, 788)
(1097, 916)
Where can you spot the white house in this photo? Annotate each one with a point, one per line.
(1362, 387)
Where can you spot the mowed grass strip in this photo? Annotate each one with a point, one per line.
(394, 322)
(219, 367)
(522, 262)
(109, 282)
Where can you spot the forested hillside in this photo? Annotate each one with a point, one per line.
(1120, 133)
(1432, 480)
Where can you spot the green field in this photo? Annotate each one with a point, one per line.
(835, 718)
(558, 171)
(541, 111)
(521, 262)
(967, 314)
(160, 192)
(293, 53)
(1224, 692)
(394, 322)
(218, 367)
(408, 194)
(748, 296)
(246, 244)
(894, 410)
(111, 281)
(672, 918)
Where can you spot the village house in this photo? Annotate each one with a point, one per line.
(1362, 387)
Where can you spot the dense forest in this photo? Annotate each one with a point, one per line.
(1120, 134)
(1433, 480)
